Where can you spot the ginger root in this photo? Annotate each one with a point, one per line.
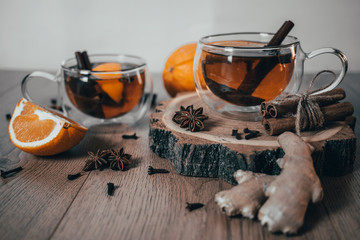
(289, 193)
(247, 197)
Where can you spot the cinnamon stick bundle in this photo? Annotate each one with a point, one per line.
(333, 112)
(276, 108)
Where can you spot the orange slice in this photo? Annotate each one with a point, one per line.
(113, 88)
(42, 132)
(110, 83)
(108, 67)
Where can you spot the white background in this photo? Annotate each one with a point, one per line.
(39, 34)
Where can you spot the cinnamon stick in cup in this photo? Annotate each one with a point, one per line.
(86, 60)
(333, 112)
(257, 74)
(82, 60)
(79, 60)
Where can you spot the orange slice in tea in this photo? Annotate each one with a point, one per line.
(43, 132)
(107, 67)
(113, 88)
(110, 83)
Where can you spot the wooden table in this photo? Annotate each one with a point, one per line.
(40, 203)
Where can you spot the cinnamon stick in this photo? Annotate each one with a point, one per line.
(351, 121)
(278, 109)
(231, 95)
(281, 34)
(263, 110)
(255, 76)
(82, 60)
(333, 112)
(86, 60)
(79, 60)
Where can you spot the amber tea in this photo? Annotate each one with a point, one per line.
(106, 96)
(249, 78)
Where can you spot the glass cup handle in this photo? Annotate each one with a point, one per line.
(343, 60)
(26, 79)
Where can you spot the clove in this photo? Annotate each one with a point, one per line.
(111, 188)
(251, 135)
(133, 136)
(74, 176)
(193, 206)
(238, 136)
(247, 130)
(234, 132)
(152, 170)
(9, 173)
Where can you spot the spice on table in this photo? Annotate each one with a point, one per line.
(190, 118)
(247, 130)
(250, 133)
(288, 105)
(152, 170)
(238, 136)
(193, 206)
(333, 112)
(111, 188)
(97, 160)
(118, 159)
(132, 136)
(9, 173)
(234, 132)
(74, 176)
(8, 116)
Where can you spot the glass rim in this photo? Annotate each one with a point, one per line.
(203, 41)
(88, 72)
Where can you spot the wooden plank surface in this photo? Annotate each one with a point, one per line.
(39, 202)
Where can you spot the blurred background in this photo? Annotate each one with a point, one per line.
(39, 34)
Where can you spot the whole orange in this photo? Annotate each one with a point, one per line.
(178, 75)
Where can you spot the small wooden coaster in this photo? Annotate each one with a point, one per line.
(213, 152)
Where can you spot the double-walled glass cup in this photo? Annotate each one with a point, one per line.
(235, 72)
(118, 89)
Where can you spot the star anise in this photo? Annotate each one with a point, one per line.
(97, 160)
(118, 159)
(190, 118)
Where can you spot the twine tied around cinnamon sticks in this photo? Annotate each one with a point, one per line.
(308, 113)
(312, 111)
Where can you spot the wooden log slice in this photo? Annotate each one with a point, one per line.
(213, 152)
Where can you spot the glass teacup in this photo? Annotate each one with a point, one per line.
(235, 72)
(118, 89)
